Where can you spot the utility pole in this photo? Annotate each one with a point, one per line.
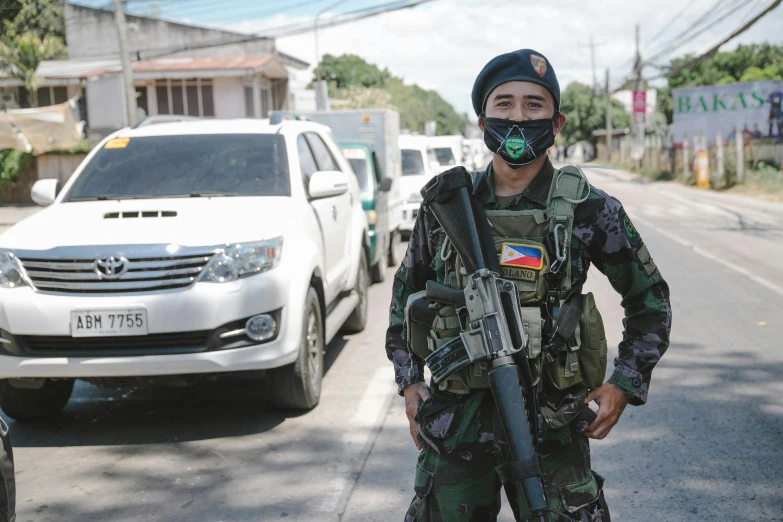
(608, 118)
(320, 94)
(638, 86)
(592, 61)
(127, 73)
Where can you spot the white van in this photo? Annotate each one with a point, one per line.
(417, 169)
(445, 152)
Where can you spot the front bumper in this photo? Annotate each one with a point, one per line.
(205, 309)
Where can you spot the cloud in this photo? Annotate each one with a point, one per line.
(444, 44)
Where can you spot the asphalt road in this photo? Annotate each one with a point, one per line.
(707, 446)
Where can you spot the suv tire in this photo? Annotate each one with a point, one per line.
(358, 318)
(395, 238)
(297, 386)
(25, 404)
(378, 272)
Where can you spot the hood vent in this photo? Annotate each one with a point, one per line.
(142, 214)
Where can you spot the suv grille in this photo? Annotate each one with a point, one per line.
(138, 274)
(156, 344)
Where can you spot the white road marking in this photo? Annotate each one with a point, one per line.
(750, 275)
(359, 435)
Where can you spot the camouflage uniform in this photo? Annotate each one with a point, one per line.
(455, 475)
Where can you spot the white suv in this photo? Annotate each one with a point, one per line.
(185, 248)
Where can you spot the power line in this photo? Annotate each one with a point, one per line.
(297, 28)
(709, 54)
(667, 25)
(689, 37)
(275, 32)
(266, 11)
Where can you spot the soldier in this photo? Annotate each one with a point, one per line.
(549, 225)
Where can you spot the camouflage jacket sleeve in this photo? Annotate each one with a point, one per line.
(412, 276)
(616, 249)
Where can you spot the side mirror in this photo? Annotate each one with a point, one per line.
(326, 183)
(45, 191)
(386, 185)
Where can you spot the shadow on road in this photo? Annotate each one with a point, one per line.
(225, 407)
(705, 447)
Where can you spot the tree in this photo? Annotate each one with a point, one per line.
(365, 85)
(350, 70)
(41, 18)
(33, 30)
(21, 59)
(586, 112)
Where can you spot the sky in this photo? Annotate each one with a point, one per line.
(443, 44)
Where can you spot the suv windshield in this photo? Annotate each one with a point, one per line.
(412, 163)
(188, 165)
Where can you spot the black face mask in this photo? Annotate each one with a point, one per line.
(519, 143)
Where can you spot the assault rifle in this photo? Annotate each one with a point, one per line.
(491, 329)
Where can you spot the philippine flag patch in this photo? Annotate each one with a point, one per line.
(524, 256)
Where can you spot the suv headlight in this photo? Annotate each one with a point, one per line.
(242, 260)
(10, 270)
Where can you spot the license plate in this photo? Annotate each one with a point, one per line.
(107, 323)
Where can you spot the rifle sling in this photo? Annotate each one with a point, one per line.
(566, 321)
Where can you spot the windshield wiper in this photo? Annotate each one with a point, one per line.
(213, 195)
(106, 197)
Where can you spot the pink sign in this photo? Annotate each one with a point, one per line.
(639, 106)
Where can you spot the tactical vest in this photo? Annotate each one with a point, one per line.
(521, 242)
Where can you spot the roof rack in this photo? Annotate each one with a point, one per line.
(164, 118)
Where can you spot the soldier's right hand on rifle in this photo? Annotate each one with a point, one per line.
(414, 395)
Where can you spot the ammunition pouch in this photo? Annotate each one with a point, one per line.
(580, 355)
(419, 316)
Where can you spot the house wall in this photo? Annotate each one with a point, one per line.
(92, 33)
(229, 95)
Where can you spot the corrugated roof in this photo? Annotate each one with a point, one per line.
(75, 68)
(90, 68)
(203, 64)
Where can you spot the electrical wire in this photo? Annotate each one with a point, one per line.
(722, 10)
(273, 32)
(668, 24)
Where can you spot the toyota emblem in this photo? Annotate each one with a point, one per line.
(111, 267)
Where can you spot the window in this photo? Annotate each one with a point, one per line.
(359, 167)
(52, 96)
(249, 105)
(322, 155)
(412, 163)
(250, 102)
(187, 97)
(141, 99)
(265, 103)
(444, 156)
(306, 159)
(187, 165)
(162, 93)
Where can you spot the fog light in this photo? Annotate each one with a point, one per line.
(261, 327)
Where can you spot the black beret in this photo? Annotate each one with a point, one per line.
(525, 65)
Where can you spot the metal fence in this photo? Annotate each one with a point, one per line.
(724, 162)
